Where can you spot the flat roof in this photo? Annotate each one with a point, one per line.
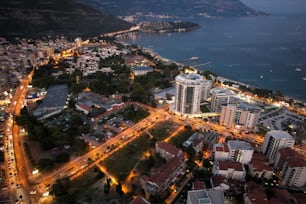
(239, 145)
(56, 97)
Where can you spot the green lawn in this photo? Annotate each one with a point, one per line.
(181, 137)
(204, 109)
(122, 162)
(162, 130)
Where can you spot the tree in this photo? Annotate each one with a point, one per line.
(62, 157)
(45, 164)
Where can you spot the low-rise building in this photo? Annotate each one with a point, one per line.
(240, 151)
(259, 166)
(229, 169)
(54, 102)
(292, 166)
(221, 151)
(195, 141)
(274, 141)
(142, 70)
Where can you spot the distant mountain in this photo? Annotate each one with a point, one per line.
(37, 18)
(174, 8)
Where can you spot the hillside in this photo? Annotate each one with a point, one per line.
(173, 8)
(37, 18)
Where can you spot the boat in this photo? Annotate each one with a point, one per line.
(298, 69)
(193, 58)
(261, 76)
(304, 78)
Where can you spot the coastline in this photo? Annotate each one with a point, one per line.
(181, 65)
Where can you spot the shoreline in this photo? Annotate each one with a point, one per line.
(163, 59)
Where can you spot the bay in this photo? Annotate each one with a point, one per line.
(264, 51)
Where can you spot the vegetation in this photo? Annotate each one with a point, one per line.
(181, 137)
(127, 157)
(162, 130)
(39, 18)
(135, 114)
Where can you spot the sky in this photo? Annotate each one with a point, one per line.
(295, 7)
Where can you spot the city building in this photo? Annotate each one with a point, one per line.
(274, 141)
(188, 93)
(166, 151)
(293, 167)
(205, 197)
(229, 169)
(220, 97)
(195, 141)
(206, 89)
(160, 178)
(255, 194)
(240, 151)
(240, 116)
(54, 102)
(221, 151)
(259, 166)
(142, 70)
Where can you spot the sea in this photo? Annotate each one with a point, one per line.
(263, 51)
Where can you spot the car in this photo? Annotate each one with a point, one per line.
(32, 192)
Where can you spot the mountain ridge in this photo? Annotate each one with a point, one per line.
(175, 8)
(38, 18)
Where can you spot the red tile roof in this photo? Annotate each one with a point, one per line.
(218, 179)
(293, 158)
(85, 107)
(198, 185)
(256, 194)
(160, 175)
(223, 148)
(168, 148)
(227, 164)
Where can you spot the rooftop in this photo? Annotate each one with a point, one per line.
(220, 91)
(56, 97)
(160, 175)
(221, 147)
(206, 197)
(280, 134)
(239, 145)
(227, 164)
(168, 147)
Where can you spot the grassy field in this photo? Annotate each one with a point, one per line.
(181, 137)
(122, 162)
(163, 129)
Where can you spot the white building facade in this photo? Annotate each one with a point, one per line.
(239, 116)
(276, 140)
(220, 97)
(188, 93)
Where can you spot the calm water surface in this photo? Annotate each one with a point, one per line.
(265, 51)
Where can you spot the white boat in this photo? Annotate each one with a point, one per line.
(193, 58)
(298, 69)
(261, 76)
(304, 78)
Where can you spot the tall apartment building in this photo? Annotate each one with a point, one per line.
(293, 167)
(240, 116)
(220, 97)
(189, 88)
(240, 151)
(274, 141)
(206, 89)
